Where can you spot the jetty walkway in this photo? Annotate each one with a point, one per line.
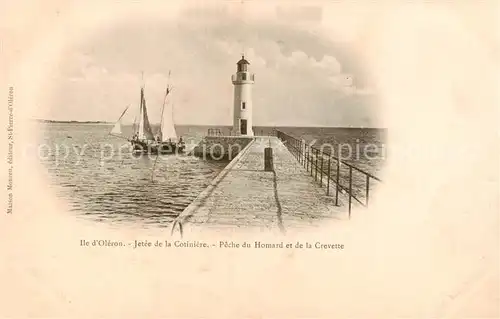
(243, 195)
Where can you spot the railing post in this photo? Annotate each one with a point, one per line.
(328, 176)
(304, 159)
(301, 151)
(294, 145)
(293, 148)
(307, 159)
(305, 155)
(350, 190)
(321, 172)
(316, 167)
(367, 189)
(337, 183)
(296, 150)
(311, 158)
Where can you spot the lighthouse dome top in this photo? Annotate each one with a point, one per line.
(243, 61)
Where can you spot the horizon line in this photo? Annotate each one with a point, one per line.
(191, 124)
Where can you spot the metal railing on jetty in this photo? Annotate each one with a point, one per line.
(231, 132)
(214, 132)
(324, 166)
(256, 131)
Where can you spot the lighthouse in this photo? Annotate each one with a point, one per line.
(242, 115)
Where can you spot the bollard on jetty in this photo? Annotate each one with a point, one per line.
(268, 159)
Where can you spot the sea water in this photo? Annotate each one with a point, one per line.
(100, 178)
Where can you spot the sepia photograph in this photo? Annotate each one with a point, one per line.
(250, 159)
(288, 139)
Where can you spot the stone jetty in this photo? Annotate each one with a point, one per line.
(244, 195)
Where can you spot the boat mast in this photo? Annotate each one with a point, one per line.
(167, 92)
(140, 131)
(136, 127)
(163, 108)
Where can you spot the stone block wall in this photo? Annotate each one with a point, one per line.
(221, 147)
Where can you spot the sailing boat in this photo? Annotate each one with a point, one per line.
(143, 139)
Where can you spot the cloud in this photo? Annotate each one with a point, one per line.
(298, 57)
(330, 63)
(300, 79)
(94, 72)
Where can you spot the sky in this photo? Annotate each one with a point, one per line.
(324, 63)
(303, 76)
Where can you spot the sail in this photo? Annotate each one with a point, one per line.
(117, 128)
(134, 126)
(167, 128)
(145, 132)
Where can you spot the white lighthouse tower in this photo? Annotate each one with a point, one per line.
(242, 115)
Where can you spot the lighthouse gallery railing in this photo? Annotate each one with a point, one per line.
(242, 77)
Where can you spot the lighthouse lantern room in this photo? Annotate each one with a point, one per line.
(242, 115)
